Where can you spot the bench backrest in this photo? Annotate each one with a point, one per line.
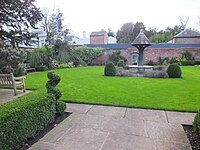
(7, 79)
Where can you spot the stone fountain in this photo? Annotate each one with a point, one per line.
(141, 70)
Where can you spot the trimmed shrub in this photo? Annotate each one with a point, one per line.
(121, 63)
(174, 71)
(196, 123)
(23, 118)
(51, 84)
(110, 69)
(41, 68)
(197, 62)
(189, 63)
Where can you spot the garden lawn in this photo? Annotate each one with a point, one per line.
(88, 85)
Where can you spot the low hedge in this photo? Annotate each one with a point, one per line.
(23, 118)
(196, 123)
(41, 68)
(189, 63)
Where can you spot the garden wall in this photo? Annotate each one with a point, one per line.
(150, 54)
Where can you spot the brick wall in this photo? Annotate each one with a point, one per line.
(186, 40)
(149, 54)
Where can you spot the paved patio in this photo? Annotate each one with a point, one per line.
(8, 95)
(93, 127)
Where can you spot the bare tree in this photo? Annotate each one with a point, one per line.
(183, 20)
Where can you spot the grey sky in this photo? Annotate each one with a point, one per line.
(94, 15)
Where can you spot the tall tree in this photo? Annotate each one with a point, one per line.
(52, 24)
(17, 17)
(128, 32)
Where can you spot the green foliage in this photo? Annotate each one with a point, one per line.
(187, 55)
(115, 57)
(23, 118)
(87, 54)
(197, 62)
(128, 32)
(121, 63)
(110, 69)
(42, 57)
(41, 68)
(10, 57)
(17, 19)
(151, 62)
(20, 70)
(174, 71)
(161, 37)
(60, 107)
(51, 84)
(189, 63)
(196, 123)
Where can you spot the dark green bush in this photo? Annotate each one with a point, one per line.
(41, 68)
(51, 84)
(23, 118)
(189, 63)
(60, 107)
(121, 63)
(174, 71)
(196, 123)
(115, 57)
(197, 62)
(187, 55)
(110, 69)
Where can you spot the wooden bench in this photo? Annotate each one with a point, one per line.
(10, 80)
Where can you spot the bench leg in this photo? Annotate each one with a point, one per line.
(15, 91)
(24, 87)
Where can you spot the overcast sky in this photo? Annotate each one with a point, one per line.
(94, 15)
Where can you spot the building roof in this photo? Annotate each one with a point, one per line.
(141, 38)
(98, 33)
(155, 45)
(187, 33)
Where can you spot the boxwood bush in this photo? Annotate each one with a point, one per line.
(110, 69)
(196, 123)
(174, 71)
(23, 118)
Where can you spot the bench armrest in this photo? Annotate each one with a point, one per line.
(20, 78)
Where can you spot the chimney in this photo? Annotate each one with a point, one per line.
(84, 34)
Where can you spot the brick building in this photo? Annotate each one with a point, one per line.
(187, 36)
(100, 37)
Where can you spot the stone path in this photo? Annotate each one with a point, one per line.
(8, 94)
(93, 127)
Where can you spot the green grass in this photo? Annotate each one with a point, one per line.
(88, 85)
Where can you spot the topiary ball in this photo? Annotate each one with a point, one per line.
(174, 71)
(110, 69)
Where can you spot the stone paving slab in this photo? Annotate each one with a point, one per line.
(78, 108)
(146, 114)
(165, 132)
(7, 95)
(93, 127)
(119, 141)
(118, 112)
(180, 117)
(164, 145)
